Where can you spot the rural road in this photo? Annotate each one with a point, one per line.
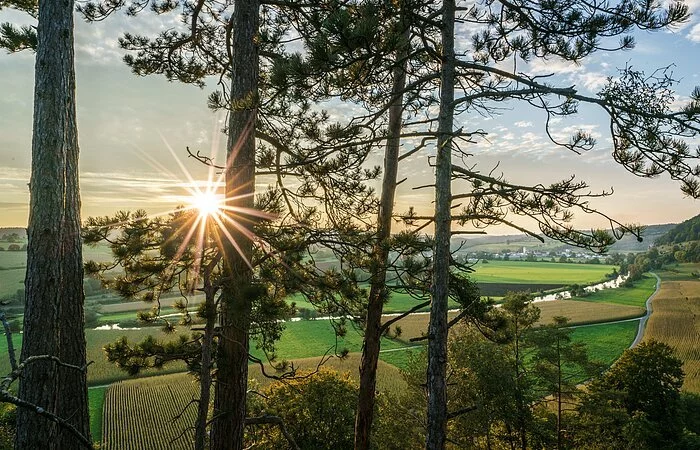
(643, 321)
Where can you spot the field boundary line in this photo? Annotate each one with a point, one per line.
(389, 350)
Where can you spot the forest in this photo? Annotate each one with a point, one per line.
(300, 206)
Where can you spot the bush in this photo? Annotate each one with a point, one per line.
(308, 314)
(8, 417)
(318, 410)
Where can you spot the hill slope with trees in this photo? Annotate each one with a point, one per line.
(683, 232)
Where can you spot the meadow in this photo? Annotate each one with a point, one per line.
(630, 296)
(303, 342)
(140, 412)
(11, 279)
(523, 272)
(303, 339)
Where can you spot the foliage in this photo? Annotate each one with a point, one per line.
(636, 403)
(318, 410)
(497, 387)
(8, 418)
(688, 230)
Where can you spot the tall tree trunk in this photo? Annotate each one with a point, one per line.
(237, 291)
(72, 384)
(53, 284)
(378, 292)
(200, 438)
(437, 329)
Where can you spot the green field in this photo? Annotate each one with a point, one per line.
(680, 272)
(96, 398)
(308, 338)
(301, 339)
(12, 260)
(606, 342)
(636, 295)
(11, 279)
(539, 272)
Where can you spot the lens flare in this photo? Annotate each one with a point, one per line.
(208, 203)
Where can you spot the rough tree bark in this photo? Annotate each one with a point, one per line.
(378, 292)
(53, 320)
(200, 439)
(237, 292)
(437, 329)
(72, 384)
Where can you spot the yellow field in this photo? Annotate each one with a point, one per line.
(675, 320)
(166, 302)
(578, 312)
(139, 413)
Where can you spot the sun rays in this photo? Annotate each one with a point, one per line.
(210, 221)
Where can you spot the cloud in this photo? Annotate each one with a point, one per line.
(593, 81)
(522, 124)
(694, 33)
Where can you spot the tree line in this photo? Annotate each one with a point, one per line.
(415, 86)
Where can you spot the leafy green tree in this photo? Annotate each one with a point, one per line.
(636, 403)
(648, 136)
(318, 410)
(558, 366)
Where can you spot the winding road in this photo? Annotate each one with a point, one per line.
(643, 320)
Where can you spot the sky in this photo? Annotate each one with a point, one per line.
(133, 130)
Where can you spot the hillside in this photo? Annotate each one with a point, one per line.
(683, 232)
(518, 241)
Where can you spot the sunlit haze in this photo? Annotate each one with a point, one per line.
(134, 132)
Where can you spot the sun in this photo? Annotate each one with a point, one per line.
(208, 203)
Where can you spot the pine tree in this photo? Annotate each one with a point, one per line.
(53, 319)
(317, 182)
(649, 138)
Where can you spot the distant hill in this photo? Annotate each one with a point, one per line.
(683, 232)
(518, 241)
(650, 235)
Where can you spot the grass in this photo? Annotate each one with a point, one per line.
(636, 295)
(302, 339)
(539, 272)
(680, 272)
(310, 338)
(15, 260)
(11, 280)
(607, 341)
(96, 400)
(676, 321)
